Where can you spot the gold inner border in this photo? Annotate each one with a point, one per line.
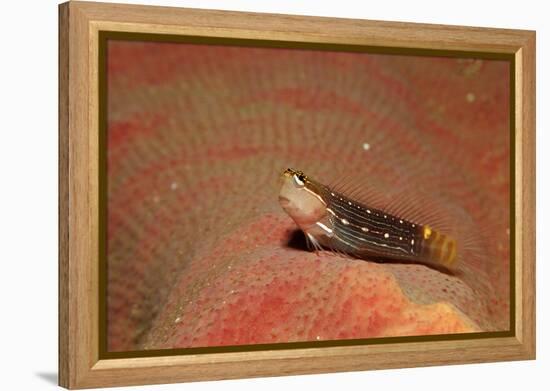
(105, 36)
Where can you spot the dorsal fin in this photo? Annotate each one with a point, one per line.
(358, 191)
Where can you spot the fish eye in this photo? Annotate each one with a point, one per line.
(299, 179)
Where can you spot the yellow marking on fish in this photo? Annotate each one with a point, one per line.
(427, 232)
(451, 250)
(440, 248)
(437, 242)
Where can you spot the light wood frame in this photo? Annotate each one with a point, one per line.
(80, 365)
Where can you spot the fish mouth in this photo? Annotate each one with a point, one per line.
(285, 176)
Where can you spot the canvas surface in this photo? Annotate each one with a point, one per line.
(198, 246)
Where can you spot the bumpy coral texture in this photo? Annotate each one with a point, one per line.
(201, 254)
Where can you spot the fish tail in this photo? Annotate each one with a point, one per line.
(439, 248)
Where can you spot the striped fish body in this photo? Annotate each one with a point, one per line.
(368, 232)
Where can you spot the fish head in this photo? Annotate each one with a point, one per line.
(300, 197)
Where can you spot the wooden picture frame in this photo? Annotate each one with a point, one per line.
(81, 363)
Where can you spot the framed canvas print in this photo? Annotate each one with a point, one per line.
(251, 194)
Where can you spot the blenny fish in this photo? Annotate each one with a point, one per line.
(333, 220)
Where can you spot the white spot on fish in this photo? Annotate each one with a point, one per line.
(400, 238)
(386, 235)
(385, 216)
(401, 221)
(470, 97)
(332, 194)
(318, 337)
(364, 229)
(345, 222)
(413, 225)
(349, 202)
(174, 186)
(178, 319)
(412, 241)
(366, 146)
(368, 211)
